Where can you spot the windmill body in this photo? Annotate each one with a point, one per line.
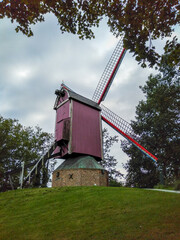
(78, 135)
(78, 125)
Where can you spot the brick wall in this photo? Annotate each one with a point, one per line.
(80, 177)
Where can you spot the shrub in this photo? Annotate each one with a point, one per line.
(114, 183)
(177, 185)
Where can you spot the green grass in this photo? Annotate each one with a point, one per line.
(84, 213)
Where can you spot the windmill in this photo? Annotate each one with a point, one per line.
(78, 134)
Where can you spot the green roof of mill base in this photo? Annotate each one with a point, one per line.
(85, 162)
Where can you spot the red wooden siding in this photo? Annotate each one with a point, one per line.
(61, 114)
(78, 126)
(86, 130)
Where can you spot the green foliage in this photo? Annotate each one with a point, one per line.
(141, 22)
(177, 185)
(157, 124)
(171, 53)
(161, 186)
(45, 176)
(173, 186)
(19, 144)
(36, 182)
(98, 213)
(141, 171)
(109, 162)
(115, 183)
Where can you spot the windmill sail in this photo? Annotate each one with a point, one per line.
(124, 128)
(118, 121)
(109, 73)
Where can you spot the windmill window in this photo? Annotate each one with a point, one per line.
(70, 176)
(102, 172)
(58, 174)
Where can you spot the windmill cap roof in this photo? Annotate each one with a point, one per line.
(84, 100)
(80, 98)
(81, 162)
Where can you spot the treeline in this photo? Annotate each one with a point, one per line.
(158, 125)
(20, 144)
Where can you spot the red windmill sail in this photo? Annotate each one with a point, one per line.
(124, 128)
(112, 119)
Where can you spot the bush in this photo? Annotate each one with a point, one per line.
(161, 186)
(174, 186)
(114, 183)
(177, 185)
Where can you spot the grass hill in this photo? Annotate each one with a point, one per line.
(84, 213)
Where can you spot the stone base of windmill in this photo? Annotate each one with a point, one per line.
(80, 171)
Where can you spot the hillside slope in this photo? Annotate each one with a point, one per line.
(83, 213)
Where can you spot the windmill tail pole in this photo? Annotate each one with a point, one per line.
(40, 163)
(141, 148)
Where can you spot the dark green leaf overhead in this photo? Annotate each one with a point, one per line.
(140, 21)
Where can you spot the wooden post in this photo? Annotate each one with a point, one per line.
(21, 175)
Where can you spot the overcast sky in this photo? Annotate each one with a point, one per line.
(32, 68)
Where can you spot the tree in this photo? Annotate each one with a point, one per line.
(140, 21)
(157, 123)
(109, 162)
(19, 144)
(141, 171)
